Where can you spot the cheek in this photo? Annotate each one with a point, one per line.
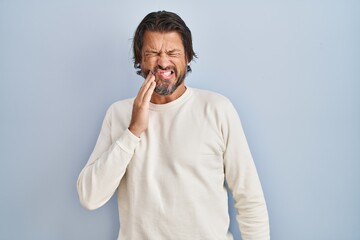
(145, 65)
(182, 67)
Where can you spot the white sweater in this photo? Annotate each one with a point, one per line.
(170, 181)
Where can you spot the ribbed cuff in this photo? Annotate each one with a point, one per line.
(128, 141)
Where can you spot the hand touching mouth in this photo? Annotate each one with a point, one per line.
(167, 80)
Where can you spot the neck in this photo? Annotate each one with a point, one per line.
(162, 99)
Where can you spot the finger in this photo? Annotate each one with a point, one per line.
(149, 92)
(148, 78)
(147, 83)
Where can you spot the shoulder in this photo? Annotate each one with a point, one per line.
(120, 107)
(214, 104)
(210, 98)
(125, 103)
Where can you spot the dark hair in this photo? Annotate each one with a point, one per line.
(162, 21)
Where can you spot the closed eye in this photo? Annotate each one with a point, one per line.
(174, 53)
(151, 54)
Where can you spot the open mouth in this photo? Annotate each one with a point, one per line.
(166, 74)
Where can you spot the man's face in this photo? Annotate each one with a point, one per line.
(163, 54)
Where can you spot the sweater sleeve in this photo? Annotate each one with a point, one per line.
(106, 166)
(243, 180)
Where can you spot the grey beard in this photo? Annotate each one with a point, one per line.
(170, 89)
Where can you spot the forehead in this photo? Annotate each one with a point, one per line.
(162, 41)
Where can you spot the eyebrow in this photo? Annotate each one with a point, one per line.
(173, 51)
(151, 51)
(169, 51)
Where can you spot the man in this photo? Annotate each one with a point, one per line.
(168, 151)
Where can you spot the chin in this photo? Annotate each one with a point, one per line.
(161, 90)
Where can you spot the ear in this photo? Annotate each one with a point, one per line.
(188, 69)
(137, 66)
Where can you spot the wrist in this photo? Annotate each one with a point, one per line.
(135, 131)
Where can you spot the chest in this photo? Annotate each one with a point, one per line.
(182, 134)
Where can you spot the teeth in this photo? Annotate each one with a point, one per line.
(165, 73)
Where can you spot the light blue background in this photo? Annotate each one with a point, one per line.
(291, 68)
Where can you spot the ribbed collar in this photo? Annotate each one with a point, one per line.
(176, 103)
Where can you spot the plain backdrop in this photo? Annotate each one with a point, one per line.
(291, 68)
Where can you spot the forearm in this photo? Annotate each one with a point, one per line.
(252, 214)
(252, 217)
(244, 183)
(102, 174)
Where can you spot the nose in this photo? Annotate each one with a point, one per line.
(163, 60)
